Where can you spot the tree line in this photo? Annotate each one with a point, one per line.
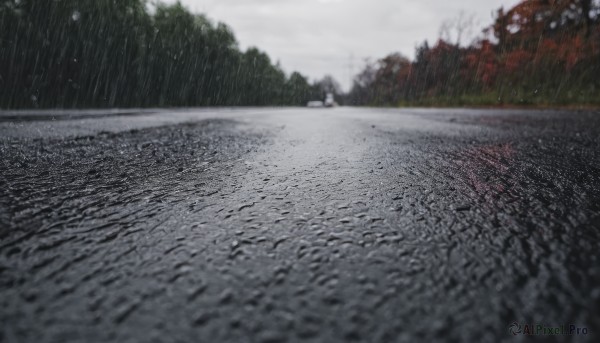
(543, 52)
(121, 53)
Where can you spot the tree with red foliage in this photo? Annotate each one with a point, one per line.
(543, 49)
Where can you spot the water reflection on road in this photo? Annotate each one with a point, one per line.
(291, 224)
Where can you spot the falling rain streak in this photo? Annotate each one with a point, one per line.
(105, 53)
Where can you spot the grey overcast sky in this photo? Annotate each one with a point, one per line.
(318, 37)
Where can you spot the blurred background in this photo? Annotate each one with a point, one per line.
(137, 53)
(321, 37)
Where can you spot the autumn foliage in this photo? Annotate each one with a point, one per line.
(538, 52)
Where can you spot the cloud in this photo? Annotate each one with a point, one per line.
(318, 37)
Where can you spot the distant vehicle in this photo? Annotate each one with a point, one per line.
(315, 104)
(329, 102)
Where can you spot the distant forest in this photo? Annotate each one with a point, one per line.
(118, 53)
(121, 53)
(540, 52)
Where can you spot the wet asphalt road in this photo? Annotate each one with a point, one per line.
(266, 225)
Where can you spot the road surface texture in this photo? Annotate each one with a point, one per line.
(289, 225)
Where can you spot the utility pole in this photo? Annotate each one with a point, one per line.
(351, 69)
